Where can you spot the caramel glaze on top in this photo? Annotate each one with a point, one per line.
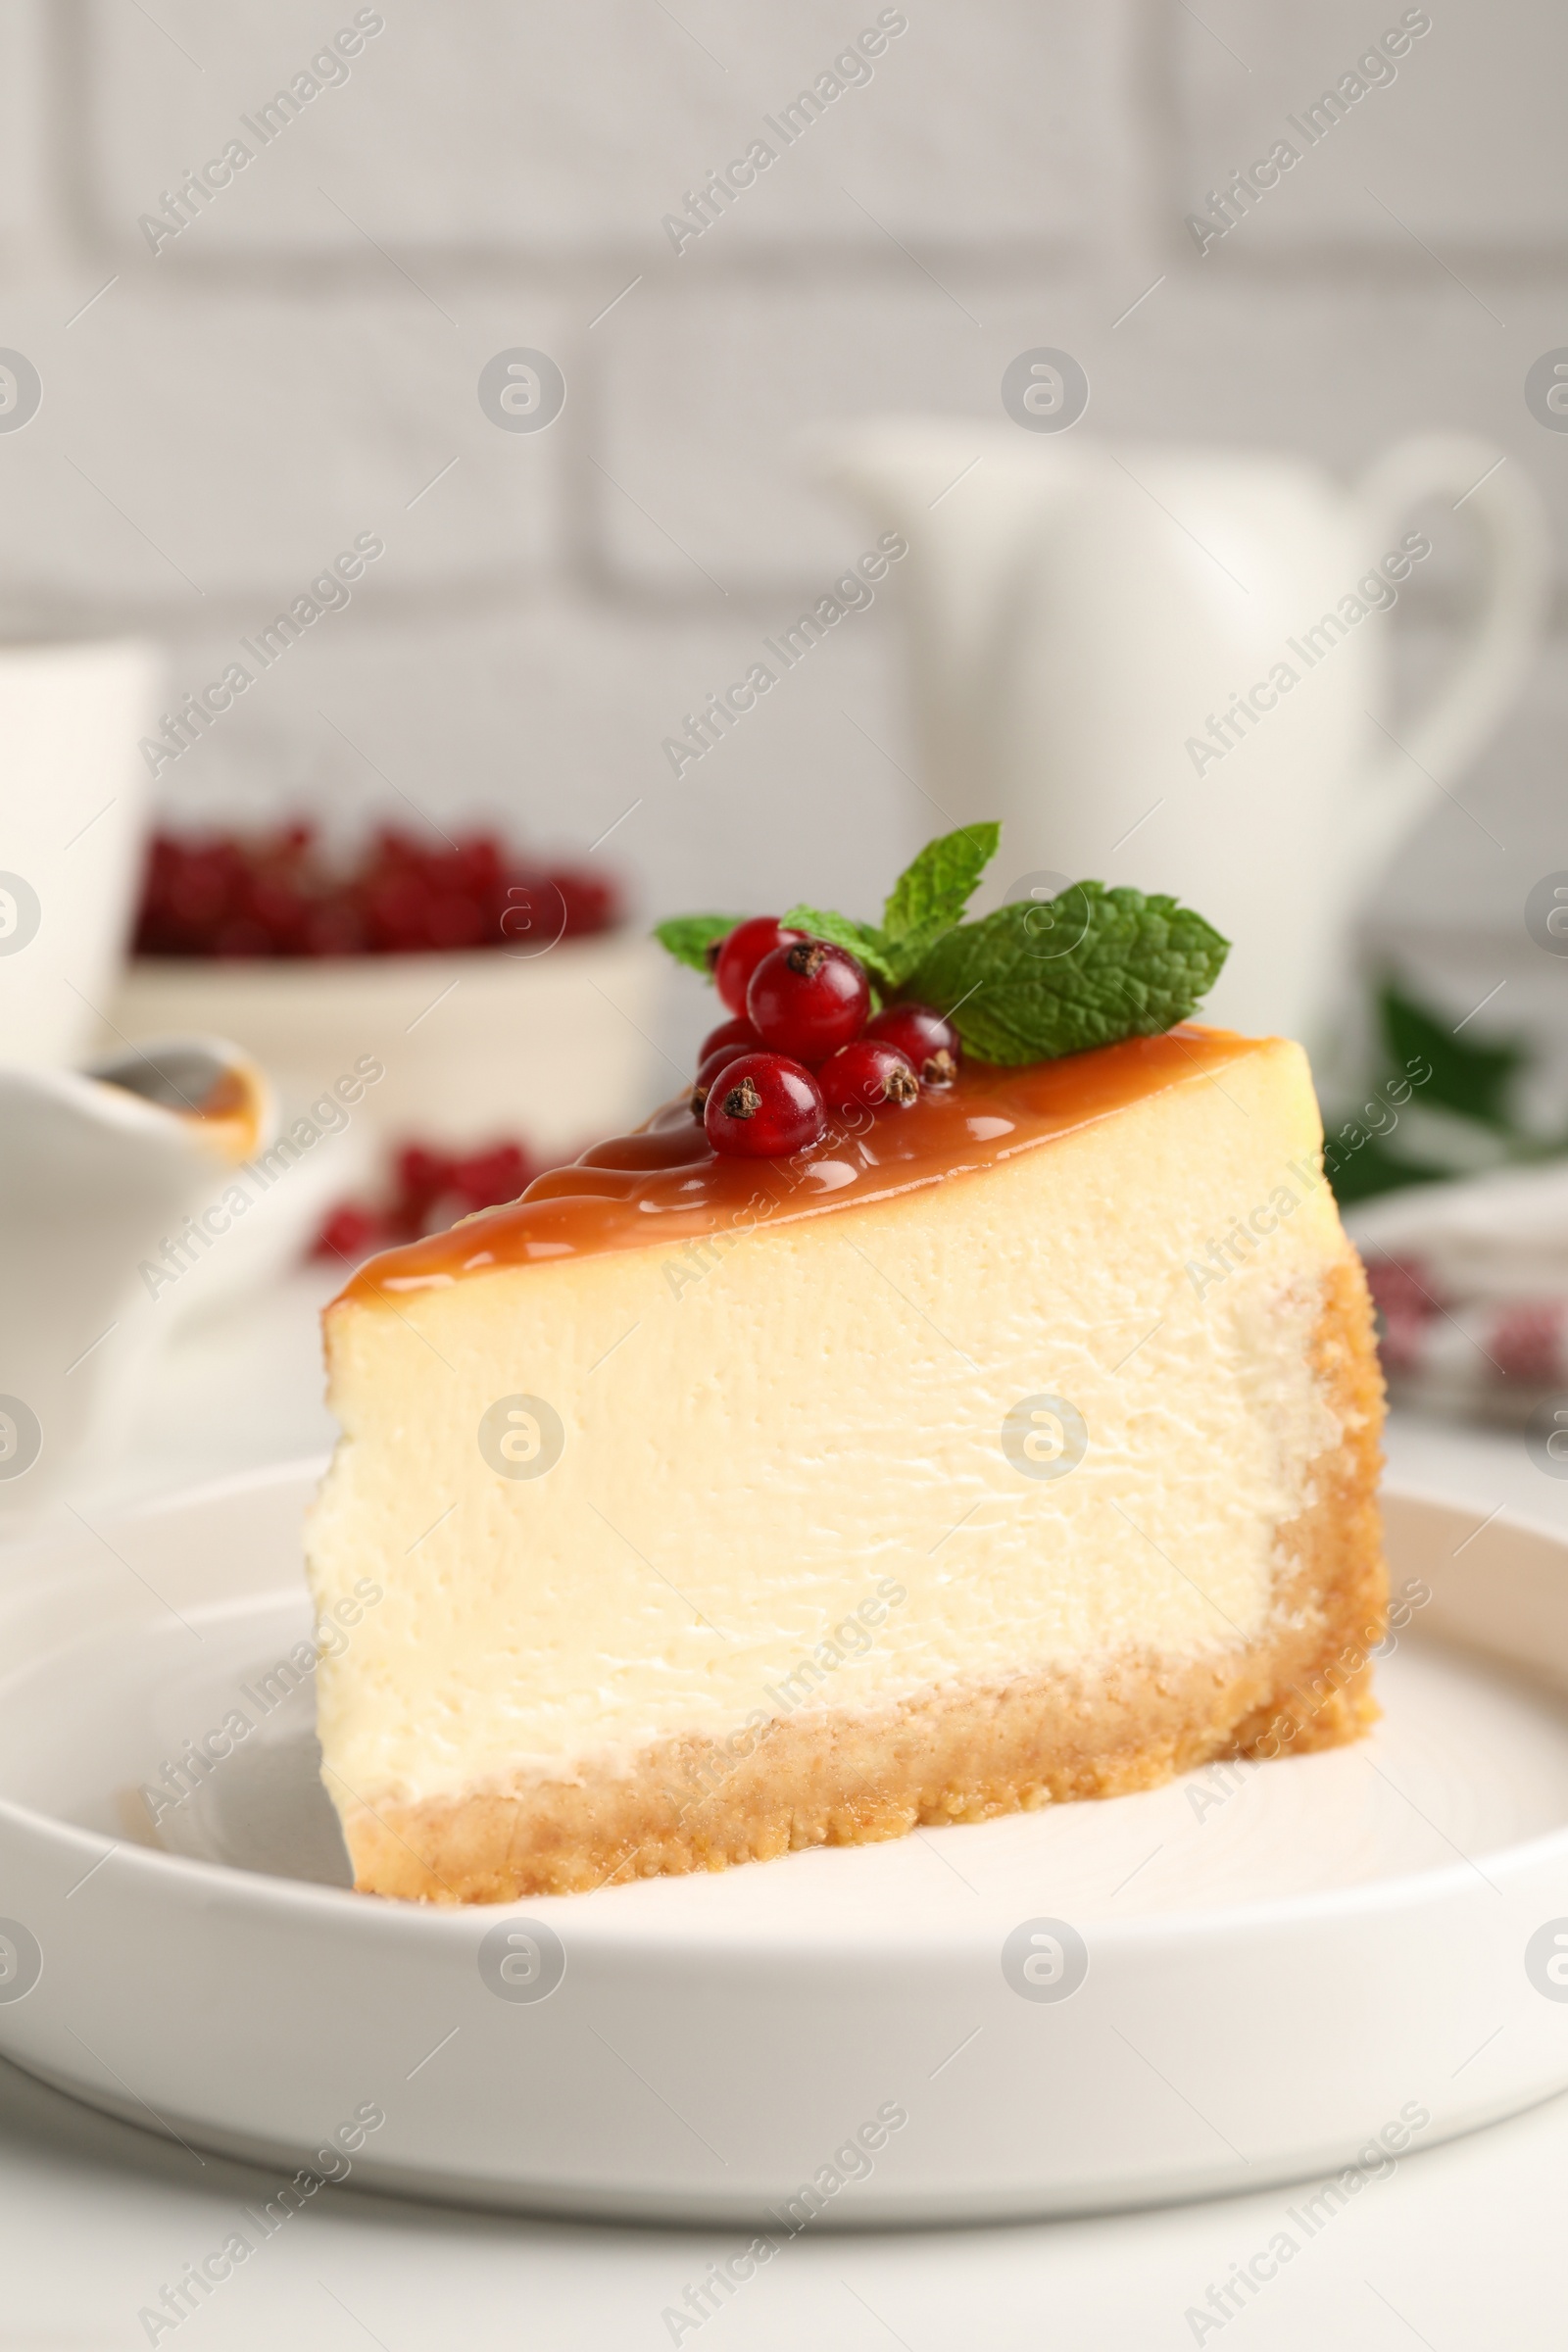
(666, 1182)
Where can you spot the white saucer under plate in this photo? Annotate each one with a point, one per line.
(1291, 1968)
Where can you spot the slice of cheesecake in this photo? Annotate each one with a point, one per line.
(1021, 1448)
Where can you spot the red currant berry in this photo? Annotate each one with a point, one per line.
(713, 1065)
(737, 1033)
(868, 1074)
(808, 999)
(350, 1232)
(763, 1105)
(930, 1043)
(739, 956)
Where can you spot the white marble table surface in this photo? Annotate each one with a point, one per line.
(1458, 2246)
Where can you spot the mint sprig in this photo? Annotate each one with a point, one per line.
(689, 938)
(1027, 983)
(1136, 967)
(861, 939)
(928, 898)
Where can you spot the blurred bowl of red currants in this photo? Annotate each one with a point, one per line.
(503, 994)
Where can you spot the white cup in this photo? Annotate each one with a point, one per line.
(73, 795)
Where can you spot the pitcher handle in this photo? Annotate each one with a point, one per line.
(1503, 636)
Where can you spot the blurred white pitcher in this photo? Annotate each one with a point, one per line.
(72, 789)
(1169, 667)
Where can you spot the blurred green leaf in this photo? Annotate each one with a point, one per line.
(1467, 1076)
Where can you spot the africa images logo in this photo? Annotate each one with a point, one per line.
(521, 1436)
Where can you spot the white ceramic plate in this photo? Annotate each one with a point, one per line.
(1289, 1967)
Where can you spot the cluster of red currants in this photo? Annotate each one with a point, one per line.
(278, 895)
(430, 1189)
(805, 1046)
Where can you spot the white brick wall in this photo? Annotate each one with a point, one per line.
(22, 99)
(561, 712)
(301, 362)
(1462, 144)
(247, 435)
(541, 134)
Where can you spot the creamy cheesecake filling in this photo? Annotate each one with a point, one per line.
(783, 1469)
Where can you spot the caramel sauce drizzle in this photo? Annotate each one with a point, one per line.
(666, 1184)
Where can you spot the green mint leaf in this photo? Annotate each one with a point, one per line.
(930, 896)
(1091, 966)
(689, 937)
(861, 939)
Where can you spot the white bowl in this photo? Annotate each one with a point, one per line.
(553, 1049)
(1308, 1966)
